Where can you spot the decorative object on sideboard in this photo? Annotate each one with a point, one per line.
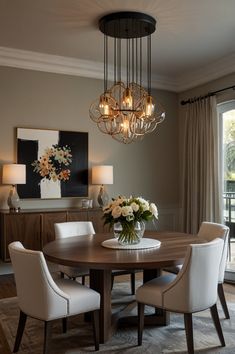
(85, 203)
(126, 110)
(102, 175)
(14, 174)
(56, 163)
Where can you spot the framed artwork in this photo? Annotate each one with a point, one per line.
(56, 163)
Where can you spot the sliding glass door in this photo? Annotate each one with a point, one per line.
(227, 138)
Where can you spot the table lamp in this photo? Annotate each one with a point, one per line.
(102, 175)
(14, 174)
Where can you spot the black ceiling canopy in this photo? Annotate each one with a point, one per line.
(127, 24)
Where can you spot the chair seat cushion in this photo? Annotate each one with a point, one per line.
(150, 293)
(73, 272)
(174, 270)
(81, 298)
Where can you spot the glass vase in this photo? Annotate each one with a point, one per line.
(129, 233)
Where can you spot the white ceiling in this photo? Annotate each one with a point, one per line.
(194, 41)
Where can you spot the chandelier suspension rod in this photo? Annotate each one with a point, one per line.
(149, 63)
(136, 59)
(133, 65)
(127, 62)
(140, 61)
(115, 60)
(119, 59)
(105, 62)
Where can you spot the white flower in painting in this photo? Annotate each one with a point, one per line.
(116, 212)
(127, 210)
(153, 210)
(135, 206)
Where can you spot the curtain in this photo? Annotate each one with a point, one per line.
(202, 188)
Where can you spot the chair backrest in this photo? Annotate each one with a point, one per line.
(38, 295)
(209, 231)
(73, 228)
(195, 287)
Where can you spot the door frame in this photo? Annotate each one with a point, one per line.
(222, 108)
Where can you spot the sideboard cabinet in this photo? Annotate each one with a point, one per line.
(35, 228)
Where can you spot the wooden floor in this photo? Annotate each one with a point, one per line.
(7, 286)
(7, 289)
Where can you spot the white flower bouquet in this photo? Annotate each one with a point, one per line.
(127, 212)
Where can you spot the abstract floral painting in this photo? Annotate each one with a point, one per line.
(56, 163)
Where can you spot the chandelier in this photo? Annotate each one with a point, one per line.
(126, 110)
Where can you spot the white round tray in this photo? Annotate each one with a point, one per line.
(144, 243)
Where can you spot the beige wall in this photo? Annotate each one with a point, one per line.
(36, 99)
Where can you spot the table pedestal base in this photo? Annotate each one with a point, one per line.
(100, 280)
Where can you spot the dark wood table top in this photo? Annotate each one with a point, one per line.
(87, 251)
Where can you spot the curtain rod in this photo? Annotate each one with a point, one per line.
(191, 100)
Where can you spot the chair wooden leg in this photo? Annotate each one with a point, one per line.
(215, 317)
(96, 329)
(64, 324)
(140, 322)
(83, 280)
(223, 300)
(47, 336)
(133, 283)
(112, 281)
(188, 322)
(61, 274)
(229, 248)
(20, 331)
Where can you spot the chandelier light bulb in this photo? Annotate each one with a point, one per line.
(149, 106)
(104, 106)
(125, 125)
(127, 98)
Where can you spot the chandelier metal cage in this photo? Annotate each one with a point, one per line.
(126, 110)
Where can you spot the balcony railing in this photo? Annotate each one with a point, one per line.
(229, 215)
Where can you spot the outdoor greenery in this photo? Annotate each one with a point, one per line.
(229, 145)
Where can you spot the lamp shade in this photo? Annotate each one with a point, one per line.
(14, 174)
(102, 174)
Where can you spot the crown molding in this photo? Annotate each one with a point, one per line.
(213, 71)
(24, 59)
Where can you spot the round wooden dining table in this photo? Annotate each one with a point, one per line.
(88, 251)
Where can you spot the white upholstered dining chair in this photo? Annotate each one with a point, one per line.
(193, 289)
(70, 229)
(209, 231)
(80, 228)
(40, 297)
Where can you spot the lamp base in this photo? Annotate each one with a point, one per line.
(14, 210)
(103, 197)
(13, 200)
